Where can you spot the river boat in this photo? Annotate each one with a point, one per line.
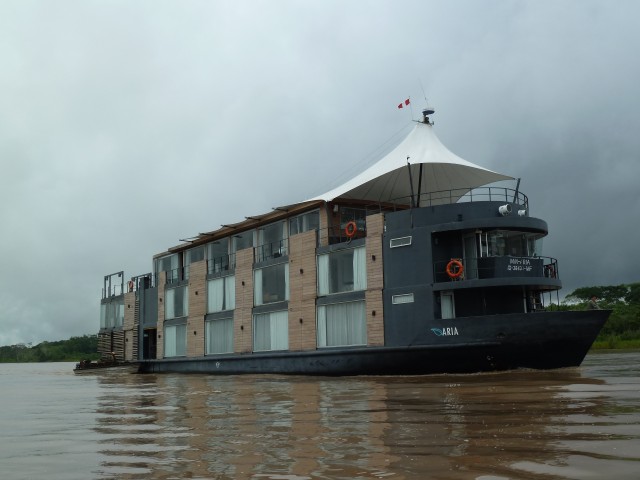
(423, 263)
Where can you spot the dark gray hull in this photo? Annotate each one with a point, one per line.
(543, 340)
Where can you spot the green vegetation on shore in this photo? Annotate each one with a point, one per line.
(622, 330)
(71, 350)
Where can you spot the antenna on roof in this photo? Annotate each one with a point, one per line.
(427, 110)
(425, 115)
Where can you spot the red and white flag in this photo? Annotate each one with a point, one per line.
(406, 102)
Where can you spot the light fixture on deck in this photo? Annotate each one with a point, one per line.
(505, 210)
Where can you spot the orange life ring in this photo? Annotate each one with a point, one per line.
(454, 263)
(351, 229)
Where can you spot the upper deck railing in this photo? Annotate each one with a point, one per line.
(462, 195)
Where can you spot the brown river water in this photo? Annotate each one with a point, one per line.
(581, 423)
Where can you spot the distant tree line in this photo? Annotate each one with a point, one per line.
(74, 349)
(622, 330)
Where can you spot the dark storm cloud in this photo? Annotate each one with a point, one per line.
(125, 126)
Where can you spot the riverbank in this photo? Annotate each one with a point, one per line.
(615, 342)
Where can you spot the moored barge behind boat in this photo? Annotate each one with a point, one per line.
(110, 364)
(415, 266)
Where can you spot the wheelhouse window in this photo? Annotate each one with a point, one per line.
(271, 241)
(176, 303)
(500, 243)
(271, 331)
(175, 340)
(271, 284)
(218, 258)
(221, 294)
(171, 265)
(112, 314)
(304, 223)
(342, 271)
(219, 336)
(342, 324)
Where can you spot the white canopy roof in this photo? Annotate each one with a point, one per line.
(388, 179)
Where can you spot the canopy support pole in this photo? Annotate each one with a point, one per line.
(413, 202)
(419, 185)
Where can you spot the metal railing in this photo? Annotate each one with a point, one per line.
(345, 231)
(463, 195)
(221, 264)
(459, 269)
(271, 250)
(451, 196)
(140, 282)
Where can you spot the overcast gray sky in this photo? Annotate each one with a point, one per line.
(127, 125)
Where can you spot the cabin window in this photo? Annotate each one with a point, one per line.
(175, 340)
(271, 284)
(219, 336)
(400, 242)
(192, 256)
(221, 294)
(112, 314)
(271, 331)
(271, 241)
(342, 271)
(241, 241)
(342, 324)
(447, 305)
(176, 302)
(218, 258)
(171, 265)
(304, 223)
(404, 298)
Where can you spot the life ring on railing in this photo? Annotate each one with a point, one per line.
(131, 285)
(351, 229)
(459, 268)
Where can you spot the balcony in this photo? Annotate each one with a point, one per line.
(497, 268)
(221, 264)
(271, 250)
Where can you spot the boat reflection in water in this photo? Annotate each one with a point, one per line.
(524, 424)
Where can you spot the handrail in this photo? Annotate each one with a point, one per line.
(473, 267)
(464, 195)
(270, 250)
(222, 263)
(452, 196)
